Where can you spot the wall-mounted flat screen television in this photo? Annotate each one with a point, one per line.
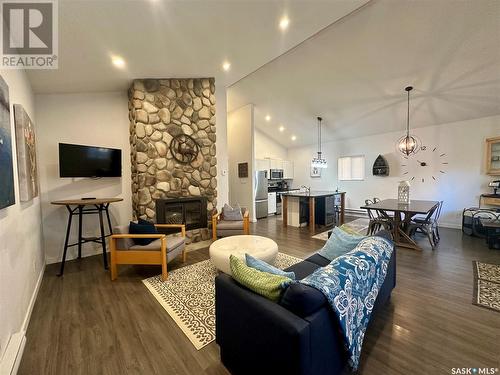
(89, 161)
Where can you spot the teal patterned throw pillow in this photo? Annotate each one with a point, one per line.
(263, 283)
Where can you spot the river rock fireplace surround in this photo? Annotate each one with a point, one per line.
(173, 151)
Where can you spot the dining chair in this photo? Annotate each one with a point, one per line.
(428, 225)
(376, 221)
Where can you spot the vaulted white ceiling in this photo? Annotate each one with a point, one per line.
(354, 72)
(176, 38)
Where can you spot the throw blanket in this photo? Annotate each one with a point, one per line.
(351, 284)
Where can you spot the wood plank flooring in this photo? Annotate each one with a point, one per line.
(85, 324)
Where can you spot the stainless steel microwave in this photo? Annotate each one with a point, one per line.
(276, 174)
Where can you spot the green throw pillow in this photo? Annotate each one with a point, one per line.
(263, 283)
(348, 229)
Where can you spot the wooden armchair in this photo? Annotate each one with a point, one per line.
(225, 228)
(162, 250)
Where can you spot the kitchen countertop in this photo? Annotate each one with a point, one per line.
(281, 190)
(313, 194)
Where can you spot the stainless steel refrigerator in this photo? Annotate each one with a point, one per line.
(260, 194)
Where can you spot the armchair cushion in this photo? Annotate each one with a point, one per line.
(232, 213)
(138, 228)
(230, 225)
(173, 242)
(123, 243)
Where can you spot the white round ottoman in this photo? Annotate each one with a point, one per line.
(259, 247)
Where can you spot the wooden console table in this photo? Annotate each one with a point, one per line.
(82, 207)
(489, 199)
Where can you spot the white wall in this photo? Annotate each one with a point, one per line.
(459, 187)
(221, 143)
(99, 119)
(266, 147)
(240, 146)
(21, 252)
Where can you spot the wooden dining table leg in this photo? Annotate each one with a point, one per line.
(401, 236)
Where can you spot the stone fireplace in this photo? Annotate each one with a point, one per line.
(190, 211)
(173, 150)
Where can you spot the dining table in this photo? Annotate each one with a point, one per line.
(401, 218)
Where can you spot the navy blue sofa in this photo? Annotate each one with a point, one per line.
(298, 335)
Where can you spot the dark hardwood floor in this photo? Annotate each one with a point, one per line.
(85, 324)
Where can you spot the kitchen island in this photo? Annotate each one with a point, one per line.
(314, 207)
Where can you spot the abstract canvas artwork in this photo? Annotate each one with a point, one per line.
(26, 155)
(7, 197)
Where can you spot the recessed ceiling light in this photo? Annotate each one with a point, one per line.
(282, 128)
(118, 61)
(268, 118)
(294, 138)
(226, 65)
(284, 22)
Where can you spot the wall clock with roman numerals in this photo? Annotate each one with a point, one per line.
(429, 164)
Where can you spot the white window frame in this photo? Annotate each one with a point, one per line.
(349, 177)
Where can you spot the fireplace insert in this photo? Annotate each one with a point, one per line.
(190, 211)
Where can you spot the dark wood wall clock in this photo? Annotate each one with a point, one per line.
(429, 164)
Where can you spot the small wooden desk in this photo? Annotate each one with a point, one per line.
(489, 199)
(402, 217)
(77, 207)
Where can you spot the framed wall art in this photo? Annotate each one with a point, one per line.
(315, 172)
(27, 170)
(7, 197)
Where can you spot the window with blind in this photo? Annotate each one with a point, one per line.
(351, 168)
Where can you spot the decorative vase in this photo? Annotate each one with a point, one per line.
(404, 192)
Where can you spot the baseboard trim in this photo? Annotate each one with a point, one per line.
(13, 354)
(356, 212)
(15, 348)
(31, 305)
(450, 225)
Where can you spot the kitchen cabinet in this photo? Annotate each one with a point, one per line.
(276, 164)
(287, 169)
(271, 203)
(263, 165)
(267, 164)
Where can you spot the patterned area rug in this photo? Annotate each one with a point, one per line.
(360, 225)
(188, 296)
(487, 285)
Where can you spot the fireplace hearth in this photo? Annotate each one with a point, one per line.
(190, 211)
